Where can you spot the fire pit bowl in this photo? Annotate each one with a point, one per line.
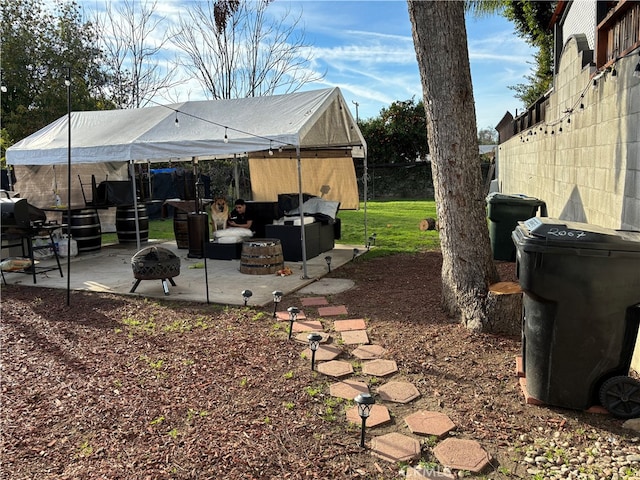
(155, 263)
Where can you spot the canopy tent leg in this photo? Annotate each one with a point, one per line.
(301, 211)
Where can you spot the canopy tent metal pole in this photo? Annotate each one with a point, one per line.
(205, 231)
(365, 179)
(301, 211)
(236, 177)
(68, 84)
(132, 174)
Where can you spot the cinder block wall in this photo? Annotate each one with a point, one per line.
(590, 170)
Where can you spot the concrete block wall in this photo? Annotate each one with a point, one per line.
(590, 171)
(584, 162)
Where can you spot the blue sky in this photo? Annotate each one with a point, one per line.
(367, 50)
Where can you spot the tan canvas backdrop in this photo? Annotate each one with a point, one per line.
(37, 182)
(329, 175)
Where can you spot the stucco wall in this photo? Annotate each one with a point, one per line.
(589, 171)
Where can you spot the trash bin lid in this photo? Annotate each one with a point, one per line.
(555, 232)
(512, 199)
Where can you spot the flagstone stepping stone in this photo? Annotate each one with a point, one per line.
(335, 368)
(285, 316)
(425, 422)
(331, 311)
(307, 326)
(462, 454)
(346, 325)
(399, 392)
(379, 415)
(348, 389)
(302, 337)
(395, 447)
(314, 301)
(355, 337)
(324, 353)
(379, 367)
(369, 352)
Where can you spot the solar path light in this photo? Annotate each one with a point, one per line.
(293, 314)
(277, 297)
(365, 403)
(246, 295)
(314, 343)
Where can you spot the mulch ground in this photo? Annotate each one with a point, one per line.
(121, 387)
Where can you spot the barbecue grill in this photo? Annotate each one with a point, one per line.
(20, 223)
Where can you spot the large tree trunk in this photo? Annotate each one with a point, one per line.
(440, 40)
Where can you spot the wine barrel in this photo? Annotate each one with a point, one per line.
(85, 229)
(261, 256)
(126, 224)
(181, 228)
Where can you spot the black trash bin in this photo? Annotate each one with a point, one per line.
(581, 310)
(504, 212)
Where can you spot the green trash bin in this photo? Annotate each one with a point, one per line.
(581, 311)
(504, 211)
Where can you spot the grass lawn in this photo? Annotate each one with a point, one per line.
(394, 223)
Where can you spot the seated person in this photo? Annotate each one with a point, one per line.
(239, 217)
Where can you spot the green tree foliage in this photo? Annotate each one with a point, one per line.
(487, 136)
(398, 134)
(39, 43)
(532, 23)
(531, 19)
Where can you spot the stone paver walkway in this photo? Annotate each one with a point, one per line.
(452, 453)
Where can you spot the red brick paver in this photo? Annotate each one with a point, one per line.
(314, 301)
(368, 352)
(395, 447)
(307, 326)
(347, 325)
(335, 368)
(331, 311)
(379, 367)
(324, 353)
(355, 337)
(462, 454)
(285, 315)
(302, 337)
(348, 389)
(379, 415)
(399, 392)
(425, 422)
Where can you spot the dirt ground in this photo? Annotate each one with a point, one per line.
(126, 388)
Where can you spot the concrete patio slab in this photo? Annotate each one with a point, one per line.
(379, 367)
(355, 337)
(398, 392)
(335, 368)
(395, 447)
(109, 270)
(462, 455)
(348, 389)
(379, 415)
(369, 352)
(425, 422)
(347, 325)
(332, 311)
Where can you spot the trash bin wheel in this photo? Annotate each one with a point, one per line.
(621, 396)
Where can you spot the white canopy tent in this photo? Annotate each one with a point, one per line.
(310, 120)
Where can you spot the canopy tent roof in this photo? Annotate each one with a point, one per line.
(313, 119)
